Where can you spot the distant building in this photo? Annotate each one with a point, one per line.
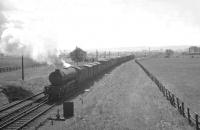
(194, 50)
(168, 53)
(78, 55)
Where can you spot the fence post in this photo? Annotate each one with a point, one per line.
(197, 121)
(167, 94)
(173, 100)
(178, 104)
(183, 109)
(22, 68)
(164, 90)
(189, 116)
(159, 85)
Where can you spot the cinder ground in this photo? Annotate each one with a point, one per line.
(125, 98)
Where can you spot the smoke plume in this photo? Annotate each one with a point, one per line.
(2, 17)
(26, 31)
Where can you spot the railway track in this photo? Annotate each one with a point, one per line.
(23, 114)
(2, 109)
(16, 119)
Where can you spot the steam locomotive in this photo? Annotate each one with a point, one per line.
(65, 80)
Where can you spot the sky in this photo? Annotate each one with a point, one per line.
(36, 25)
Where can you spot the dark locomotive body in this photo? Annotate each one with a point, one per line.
(64, 81)
(62, 76)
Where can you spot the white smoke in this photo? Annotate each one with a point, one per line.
(29, 30)
(65, 64)
(19, 42)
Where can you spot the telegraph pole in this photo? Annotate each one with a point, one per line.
(97, 55)
(22, 67)
(149, 50)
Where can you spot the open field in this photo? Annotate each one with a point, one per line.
(6, 61)
(180, 75)
(124, 98)
(35, 80)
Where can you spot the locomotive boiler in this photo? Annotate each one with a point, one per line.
(62, 76)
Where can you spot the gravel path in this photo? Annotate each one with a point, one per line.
(125, 98)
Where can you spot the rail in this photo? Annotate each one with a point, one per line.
(185, 111)
(5, 116)
(12, 105)
(36, 116)
(24, 117)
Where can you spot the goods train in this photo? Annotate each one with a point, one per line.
(65, 80)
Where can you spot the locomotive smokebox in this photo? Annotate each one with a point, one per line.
(62, 76)
(68, 109)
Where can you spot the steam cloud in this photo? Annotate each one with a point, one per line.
(2, 18)
(24, 33)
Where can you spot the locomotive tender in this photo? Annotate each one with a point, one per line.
(65, 80)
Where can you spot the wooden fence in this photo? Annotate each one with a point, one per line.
(9, 69)
(185, 111)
